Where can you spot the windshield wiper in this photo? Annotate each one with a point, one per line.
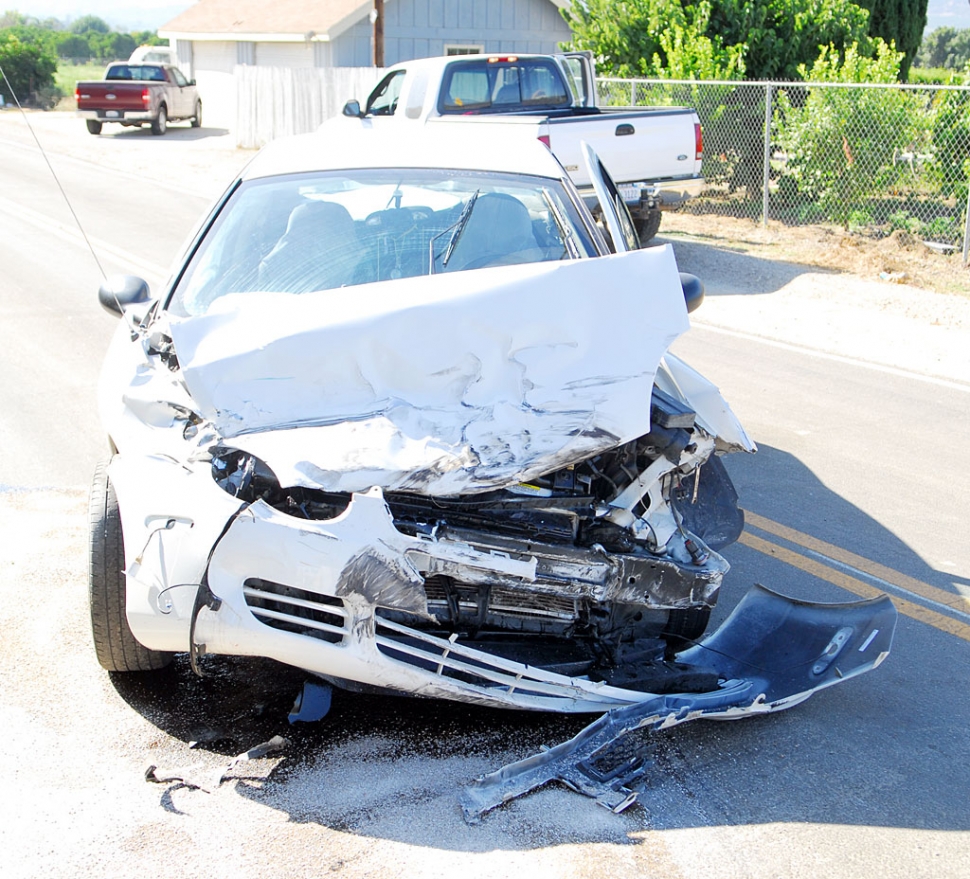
(459, 227)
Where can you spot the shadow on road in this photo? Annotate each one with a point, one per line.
(728, 271)
(175, 131)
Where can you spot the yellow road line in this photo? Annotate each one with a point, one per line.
(854, 585)
(910, 584)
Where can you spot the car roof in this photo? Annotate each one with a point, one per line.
(474, 144)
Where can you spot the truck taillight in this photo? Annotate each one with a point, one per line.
(146, 98)
(544, 139)
(77, 94)
(499, 59)
(698, 141)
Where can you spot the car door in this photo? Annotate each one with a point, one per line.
(615, 213)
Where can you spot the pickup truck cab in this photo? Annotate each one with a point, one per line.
(135, 94)
(653, 153)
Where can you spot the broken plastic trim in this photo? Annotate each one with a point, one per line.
(770, 654)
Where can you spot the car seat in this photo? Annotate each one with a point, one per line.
(498, 232)
(318, 251)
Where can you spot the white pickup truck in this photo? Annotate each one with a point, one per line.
(653, 153)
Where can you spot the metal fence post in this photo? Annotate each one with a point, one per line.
(767, 168)
(966, 230)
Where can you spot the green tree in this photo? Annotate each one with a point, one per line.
(753, 39)
(945, 47)
(28, 69)
(73, 46)
(87, 23)
(901, 22)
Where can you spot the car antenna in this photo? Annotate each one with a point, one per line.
(67, 201)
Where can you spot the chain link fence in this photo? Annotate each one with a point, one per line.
(873, 159)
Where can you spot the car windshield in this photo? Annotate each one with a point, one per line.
(299, 233)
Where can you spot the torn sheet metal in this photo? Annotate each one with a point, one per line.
(446, 384)
(772, 653)
(195, 778)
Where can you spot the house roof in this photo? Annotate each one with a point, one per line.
(296, 19)
(289, 20)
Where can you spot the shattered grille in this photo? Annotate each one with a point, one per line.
(447, 659)
(296, 610)
(501, 600)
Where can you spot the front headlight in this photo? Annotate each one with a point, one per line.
(242, 475)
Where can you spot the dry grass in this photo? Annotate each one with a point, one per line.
(900, 257)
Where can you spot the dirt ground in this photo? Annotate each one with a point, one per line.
(900, 258)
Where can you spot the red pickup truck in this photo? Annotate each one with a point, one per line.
(139, 94)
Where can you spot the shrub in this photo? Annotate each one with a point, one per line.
(841, 143)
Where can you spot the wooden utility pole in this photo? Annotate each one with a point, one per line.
(377, 17)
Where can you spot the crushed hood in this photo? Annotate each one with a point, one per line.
(442, 384)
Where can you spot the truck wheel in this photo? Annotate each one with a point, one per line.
(114, 644)
(160, 122)
(648, 225)
(94, 126)
(197, 118)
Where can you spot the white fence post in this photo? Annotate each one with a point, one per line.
(767, 165)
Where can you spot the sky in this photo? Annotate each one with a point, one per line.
(123, 15)
(152, 14)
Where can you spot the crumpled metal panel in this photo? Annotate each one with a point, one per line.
(446, 384)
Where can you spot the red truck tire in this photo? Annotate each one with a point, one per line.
(94, 126)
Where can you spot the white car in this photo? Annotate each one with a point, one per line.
(401, 418)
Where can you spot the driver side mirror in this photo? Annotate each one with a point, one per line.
(119, 292)
(693, 290)
(352, 108)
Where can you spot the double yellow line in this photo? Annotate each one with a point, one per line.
(829, 573)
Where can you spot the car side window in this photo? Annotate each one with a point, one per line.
(383, 100)
(180, 80)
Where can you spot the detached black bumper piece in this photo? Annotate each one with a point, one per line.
(770, 654)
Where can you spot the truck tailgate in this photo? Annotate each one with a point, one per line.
(661, 139)
(109, 95)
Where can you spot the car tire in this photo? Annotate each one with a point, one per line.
(197, 117)
(685, 626)
(114, 644)
(160, 122)
(94, 126)
(648, 225)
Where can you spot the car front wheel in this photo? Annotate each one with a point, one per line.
(197, 117)
(114, 644)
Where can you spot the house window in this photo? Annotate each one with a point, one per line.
(464, 50)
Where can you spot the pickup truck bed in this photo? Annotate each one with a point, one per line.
(139, 94)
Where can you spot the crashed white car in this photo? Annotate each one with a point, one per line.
(402, 419)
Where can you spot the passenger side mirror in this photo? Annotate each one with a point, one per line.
(693, 290)
(191, 82)
(352, 108)
(119, 292)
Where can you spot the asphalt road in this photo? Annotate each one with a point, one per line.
(859, 487)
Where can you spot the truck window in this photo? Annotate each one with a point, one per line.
(180, 80)
(383, 100)
(491, 84)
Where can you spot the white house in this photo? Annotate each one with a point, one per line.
(212, 37)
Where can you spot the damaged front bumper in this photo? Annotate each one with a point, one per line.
(357, 600)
